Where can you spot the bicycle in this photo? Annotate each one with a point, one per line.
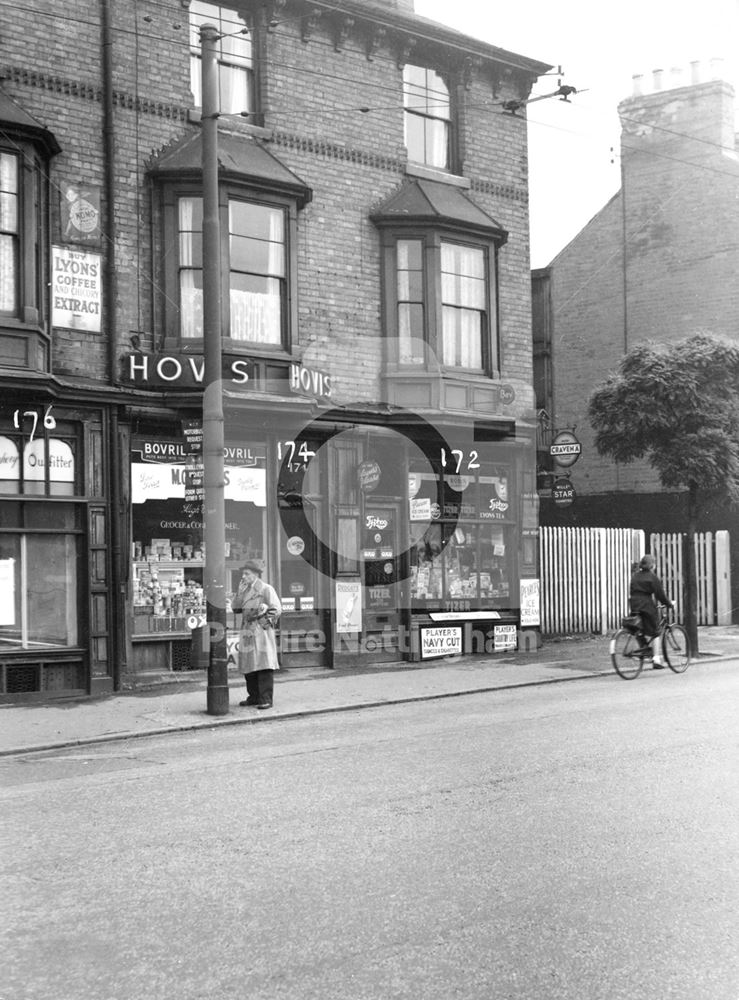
(628, 652)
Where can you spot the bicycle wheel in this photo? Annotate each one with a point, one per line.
(676, 648)
(626, 656)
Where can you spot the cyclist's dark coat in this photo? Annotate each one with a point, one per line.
(645, 587)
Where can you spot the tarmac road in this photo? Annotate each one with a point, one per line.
(557, 842)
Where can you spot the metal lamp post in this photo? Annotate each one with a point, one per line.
(214, 512)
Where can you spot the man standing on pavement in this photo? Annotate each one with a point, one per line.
(260, 609)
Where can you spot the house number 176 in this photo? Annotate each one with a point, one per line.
(20, 417)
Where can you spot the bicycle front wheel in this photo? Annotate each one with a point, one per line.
(676, 648)
(626, 656)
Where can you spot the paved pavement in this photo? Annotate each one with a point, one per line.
(181, 704)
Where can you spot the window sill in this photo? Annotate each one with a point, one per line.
(436, 174)
(247, 349)
(234, 123)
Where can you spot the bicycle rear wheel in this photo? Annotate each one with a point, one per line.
(676, 648)
(626, 656)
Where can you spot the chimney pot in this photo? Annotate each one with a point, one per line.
(637, 82)
(695, 72)
(657, 77)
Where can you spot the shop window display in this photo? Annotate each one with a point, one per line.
(167, 531)
(462, 559)
(40, 575)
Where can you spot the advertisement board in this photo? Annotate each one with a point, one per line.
(441, 640)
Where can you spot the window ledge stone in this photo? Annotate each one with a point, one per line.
(442, 176)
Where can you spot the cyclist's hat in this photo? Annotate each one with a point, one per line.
(648, 562)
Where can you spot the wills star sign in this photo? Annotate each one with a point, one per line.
(565, 448)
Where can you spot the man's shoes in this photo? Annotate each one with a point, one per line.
(264, 704)
(658, 666)
(249, 701)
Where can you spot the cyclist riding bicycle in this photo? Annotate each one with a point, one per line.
(646, 589)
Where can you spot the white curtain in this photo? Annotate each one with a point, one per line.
(191, 296)
(463, 293)
(8, 229)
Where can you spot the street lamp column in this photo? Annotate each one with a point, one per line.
(214, 515)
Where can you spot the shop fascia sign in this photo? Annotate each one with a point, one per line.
(178, 371)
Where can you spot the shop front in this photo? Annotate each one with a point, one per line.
(384, 544)
(55, 551)
(472, 531)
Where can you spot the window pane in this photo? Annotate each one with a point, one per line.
(235, 47)
(437, 143)
(257, 256)
(8, 271)
(463, 280)
(233, 90)
(59, 516)
(10, 590)
(258, 260)
(258, 221)
(10, 514)
(191, 303)
(51, 582)
(411, 334)
(410, 254)
(414, 76)
(462, 337)
(256, 309)
(191, 250)
(415, 138)
(8, 212)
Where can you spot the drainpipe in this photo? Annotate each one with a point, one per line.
(116, 647)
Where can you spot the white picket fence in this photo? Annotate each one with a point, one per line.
(585, 574)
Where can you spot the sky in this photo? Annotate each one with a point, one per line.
(573, 170)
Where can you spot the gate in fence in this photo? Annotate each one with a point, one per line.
(585, 575)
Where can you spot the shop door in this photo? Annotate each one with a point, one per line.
(383, 591)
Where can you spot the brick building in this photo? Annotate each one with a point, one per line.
(658, 262)
(377, 377)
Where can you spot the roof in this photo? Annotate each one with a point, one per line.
(418, 200)
(11, 113)
(241, 157)
(426, 30)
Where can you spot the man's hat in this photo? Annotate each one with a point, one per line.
(254, 566)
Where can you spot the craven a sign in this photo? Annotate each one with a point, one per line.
(565, 449)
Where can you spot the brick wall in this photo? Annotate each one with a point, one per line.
(659, 262)
(351, 160)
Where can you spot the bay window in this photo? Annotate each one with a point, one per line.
(461, 278)
(9, 262)
(254, 255)
(25, 154)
